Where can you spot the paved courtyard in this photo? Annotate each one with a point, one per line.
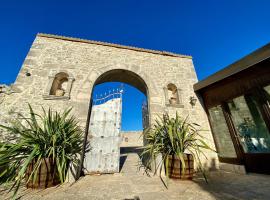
(134, 184)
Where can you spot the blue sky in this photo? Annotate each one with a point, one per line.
(215, 32)
(132, 100)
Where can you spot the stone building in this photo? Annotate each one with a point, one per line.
(60, 72)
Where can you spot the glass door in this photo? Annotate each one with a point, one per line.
(266, 106)
(221, 133)
(249, 124)
(252, 132)
(267, 93)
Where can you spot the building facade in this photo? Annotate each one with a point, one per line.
(237, 102)
(60, 72)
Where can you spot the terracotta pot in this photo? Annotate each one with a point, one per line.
(175, 167)
(47, 175)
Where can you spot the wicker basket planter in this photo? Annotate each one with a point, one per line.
(47, 175)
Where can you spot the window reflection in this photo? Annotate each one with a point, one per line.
(250, 126)
(221, 132)
(267, 93)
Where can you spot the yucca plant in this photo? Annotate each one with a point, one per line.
(173, 137)
(52, 135)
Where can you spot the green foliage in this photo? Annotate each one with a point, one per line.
(173, 136)
(51, 135)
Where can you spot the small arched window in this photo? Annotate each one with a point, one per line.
(173, 95)
(59, 86)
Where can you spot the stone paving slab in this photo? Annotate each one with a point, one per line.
(132, 184)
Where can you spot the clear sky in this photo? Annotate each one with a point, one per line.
(132, 100)
(215, 32)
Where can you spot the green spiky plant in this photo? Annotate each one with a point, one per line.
(52, 135)
(173, 136)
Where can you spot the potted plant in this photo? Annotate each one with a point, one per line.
(178, 143)
(44, 147)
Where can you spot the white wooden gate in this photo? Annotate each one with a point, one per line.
(104, 134)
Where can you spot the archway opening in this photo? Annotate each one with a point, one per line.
(133, 101)
(134, 116)
(135, 96)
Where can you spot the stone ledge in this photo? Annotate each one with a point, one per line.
(52, 97)
(175, 105)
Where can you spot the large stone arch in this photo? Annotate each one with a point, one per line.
(84, 92)
(125, 76)
(116, 74)
(152, 90)
(136, 69)
(98, 76)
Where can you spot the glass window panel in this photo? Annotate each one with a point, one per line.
(250, 126)
(267, 89)
(267, 92)
(221, 132)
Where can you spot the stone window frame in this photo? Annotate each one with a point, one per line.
(179, 103)
(51, 77)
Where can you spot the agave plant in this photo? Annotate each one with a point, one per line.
(52, 135)
(173, 137)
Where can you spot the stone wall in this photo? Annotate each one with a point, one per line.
(131, 139)
(85, 62)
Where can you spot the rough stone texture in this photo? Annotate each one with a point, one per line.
(86, 62)
(133, 184)
(131, 139)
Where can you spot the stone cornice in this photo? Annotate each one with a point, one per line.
(164, 53)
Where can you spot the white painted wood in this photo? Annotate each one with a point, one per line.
(105, 138)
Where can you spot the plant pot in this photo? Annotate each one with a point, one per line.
(175, 167)
(47, 175)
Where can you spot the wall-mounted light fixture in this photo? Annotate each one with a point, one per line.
(192, 101)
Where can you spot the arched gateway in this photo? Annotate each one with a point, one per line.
(103, 129)
(166, 78)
